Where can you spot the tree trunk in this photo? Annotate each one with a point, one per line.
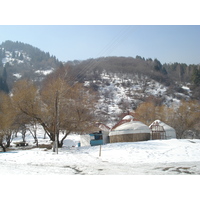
(34, 134)
(36, 140)
(180, 134)
(45, 134)
(4, 148)
(48, 131)
(8, 140)
(60, 144)
(54, 146)
(23, 135)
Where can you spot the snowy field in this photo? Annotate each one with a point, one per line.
(39, 172)
(156, 157)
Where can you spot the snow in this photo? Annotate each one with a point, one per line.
(41, 173)
(154, 157)
(185, 88)
(9, 59)
(131, 127)
(128, 117)
(5, 60)
(117, 91)
(17, 75)
(44, 72)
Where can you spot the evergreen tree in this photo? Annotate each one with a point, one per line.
(7, 65)
(3, 86)
(196, 77)
(164, 71)
(21, 57)
(157, 65)
(4, 76)
(3, 81)
(1, 64)
(3, 53)
(13, 54)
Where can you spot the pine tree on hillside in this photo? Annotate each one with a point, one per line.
(196, 77)
(4, 53)
(3, 86)
(1, 64)
(3, 81)
(4, 75)
(21, 57)
(13, 54)
(157, 65)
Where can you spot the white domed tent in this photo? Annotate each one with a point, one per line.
(160, 130)
(129, 130)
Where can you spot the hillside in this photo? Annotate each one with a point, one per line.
(121, 83)
(21, 60)
(124, 82)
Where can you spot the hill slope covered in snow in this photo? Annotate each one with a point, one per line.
(25, 61)
(121, 83)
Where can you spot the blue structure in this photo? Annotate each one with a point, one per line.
(98, 139)
(94, 139)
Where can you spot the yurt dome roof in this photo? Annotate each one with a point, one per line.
(131, 127)
(160, 123)
(103, 127)
(128, 117)
(170, 132)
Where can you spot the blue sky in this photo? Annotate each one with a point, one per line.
(172, 43)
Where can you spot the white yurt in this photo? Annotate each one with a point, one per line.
(129, 130)
(160, 130)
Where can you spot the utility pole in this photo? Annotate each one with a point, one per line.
(100, 151)
(55, 148)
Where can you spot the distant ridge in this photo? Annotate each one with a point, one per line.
(25, 61)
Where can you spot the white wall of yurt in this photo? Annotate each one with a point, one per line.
(170, 132)
(129, 130)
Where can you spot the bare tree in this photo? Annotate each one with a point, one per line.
(7, 119)
(33, 130)
(67, 108)
(27, 104)
(146, 112)
(185, 117)
(58, 107)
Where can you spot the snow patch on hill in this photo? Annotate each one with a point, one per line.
(119, 93)
(44, 72)
(16, 59)
(17, 75)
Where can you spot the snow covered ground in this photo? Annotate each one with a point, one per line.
(43, 174)
(156, 157)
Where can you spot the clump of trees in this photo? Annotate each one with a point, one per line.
(182, 118)
(7, 120)
(59, 107)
